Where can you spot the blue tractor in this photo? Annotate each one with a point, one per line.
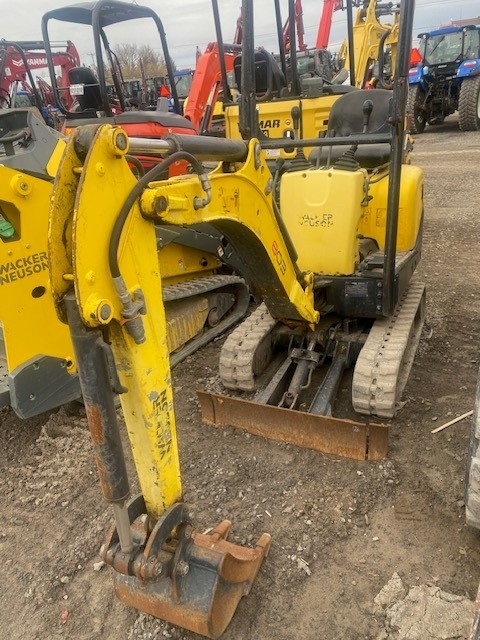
(447, 79)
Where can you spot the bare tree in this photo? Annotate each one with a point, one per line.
(129, 56)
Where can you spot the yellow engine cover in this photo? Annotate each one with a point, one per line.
(322, 209)
(373, 223)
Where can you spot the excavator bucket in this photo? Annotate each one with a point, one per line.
(347, 438)
(191, 579)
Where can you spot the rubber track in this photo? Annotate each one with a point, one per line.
(197, 286)
(201, 286)
(384, 363)
(239, 350)
(468, 104)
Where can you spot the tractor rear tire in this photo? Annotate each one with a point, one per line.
(418, 117)
(469, 104)
(472, 477)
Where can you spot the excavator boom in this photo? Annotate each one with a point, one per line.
(325, 24)
(109, 298)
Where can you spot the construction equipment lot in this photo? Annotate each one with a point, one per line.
(340, 528)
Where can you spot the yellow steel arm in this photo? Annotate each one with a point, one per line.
(367, 33)
(162, 565)
(242, 208)
(78, 246)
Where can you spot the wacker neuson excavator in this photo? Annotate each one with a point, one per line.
(202, 297)
(329, 245)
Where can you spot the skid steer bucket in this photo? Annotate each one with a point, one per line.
(357, 440)
(191, 579)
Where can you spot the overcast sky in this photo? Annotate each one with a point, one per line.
(189, 23)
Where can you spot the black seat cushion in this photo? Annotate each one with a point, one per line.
(346, 116)
(91, 98)
(269, 78)
(346, 119)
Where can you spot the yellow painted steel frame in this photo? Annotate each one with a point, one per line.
(28, 317)
(78, 249)
(275, 119)
(367, 32)
(241, 205)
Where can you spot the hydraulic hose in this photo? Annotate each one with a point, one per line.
(136, 192)
(137, 164)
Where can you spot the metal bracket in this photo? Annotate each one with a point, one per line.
(40, 384)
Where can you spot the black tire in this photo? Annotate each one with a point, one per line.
(469, 104)
(417, 116)
(472, 477)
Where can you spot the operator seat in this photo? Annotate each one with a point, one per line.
(346, 119)
(91, 100)
(269, 78)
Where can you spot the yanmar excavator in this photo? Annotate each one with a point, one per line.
(330, 246)
(18, 60)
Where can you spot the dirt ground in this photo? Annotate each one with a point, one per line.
(340, 528)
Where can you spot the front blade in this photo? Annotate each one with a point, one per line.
(357, 440)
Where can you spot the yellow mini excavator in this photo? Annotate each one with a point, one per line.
(371, 59)
(330, 246)
(202, 296)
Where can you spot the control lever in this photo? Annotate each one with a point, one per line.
(347, 160)
(295, 113)
(367, 112)
(299, 162)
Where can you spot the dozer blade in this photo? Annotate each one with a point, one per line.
(191, 579)
(357, 440)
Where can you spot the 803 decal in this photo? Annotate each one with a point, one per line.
(279, 258)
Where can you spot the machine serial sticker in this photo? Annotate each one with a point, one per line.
(23, 267)
(325, 220)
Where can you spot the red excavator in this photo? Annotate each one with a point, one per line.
(17, 62)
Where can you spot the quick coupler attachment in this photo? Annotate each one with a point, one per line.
(191, 579)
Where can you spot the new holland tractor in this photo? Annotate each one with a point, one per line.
(447, 79)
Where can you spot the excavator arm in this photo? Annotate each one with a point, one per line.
(162, 564)
(325, 25)
(206, 84)
(240, 207)
(370, 40)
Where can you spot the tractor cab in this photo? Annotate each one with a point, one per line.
(444, 50)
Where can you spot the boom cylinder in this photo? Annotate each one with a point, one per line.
(98, 397)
